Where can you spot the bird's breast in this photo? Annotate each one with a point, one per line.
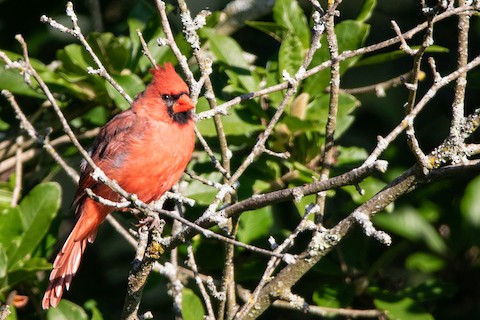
(155, 159)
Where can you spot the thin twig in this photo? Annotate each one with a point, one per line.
(412, 86)
(39, 138)
(274, 262)
(328, 152)
(17, 190)
(206, 298)
(223, 108)
(331, 312)
(380, 88)
(145, 49)
(210, 153)
(440, 83)
(77, 33)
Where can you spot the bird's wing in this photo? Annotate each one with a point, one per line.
(114, 136)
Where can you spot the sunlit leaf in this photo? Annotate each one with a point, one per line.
(348, 155)
(98, 116)
(10, 228)
(227, 51)
(91, 305)
(203, 195)
(393, 55)
(367, 10)
(233, 124)
(351, 35)
(470, 205)
(399, 308)
(369, 186)
(67, 310)
(290, 55)
(255, 224)
(38, 208)
(14, 82)
(3, 266)
(114, 52)
(288, 14)
(132, 85)
(6, 194)
(192, 306)
(425, 262)
(28, 269)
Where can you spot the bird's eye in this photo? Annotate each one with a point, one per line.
(166, 96)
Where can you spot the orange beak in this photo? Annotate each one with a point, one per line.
(183, 104)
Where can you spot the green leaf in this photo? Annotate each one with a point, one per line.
(228, 51)
(431, 290)
(14, 82)
(132, 85)
(151, 32)
(3, 266)
(351, 35)
(350, 155)
(367, 10)
(10, 228)
(202, 194)
(38, 209)
(238, 123)
(303, 203)
(91, 305)
(97, 116)
(75, 60)
(288, 14)
(255, 224)
(28, 270)
(270, 28)
(334, 294)
(318, 110)
(470, 203)
(399, 308)
(290, 55)
(13, 314)
(66, 310)
(370, 187)
(113, 52)
(393, 55)
(192, 306)
(272, 78)
(4, 126)
(425, 262)
(410, 224)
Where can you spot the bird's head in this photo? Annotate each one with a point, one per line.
(168, 90)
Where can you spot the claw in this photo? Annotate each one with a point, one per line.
(152, 221)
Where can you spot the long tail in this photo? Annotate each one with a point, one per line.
(68, 259)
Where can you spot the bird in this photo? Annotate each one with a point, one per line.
(145, 149)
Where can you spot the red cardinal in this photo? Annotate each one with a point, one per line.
(145, 149)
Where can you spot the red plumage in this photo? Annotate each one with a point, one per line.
(145, 149)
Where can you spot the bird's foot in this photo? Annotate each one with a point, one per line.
(152, 221)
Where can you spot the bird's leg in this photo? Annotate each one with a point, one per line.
(148, 218)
